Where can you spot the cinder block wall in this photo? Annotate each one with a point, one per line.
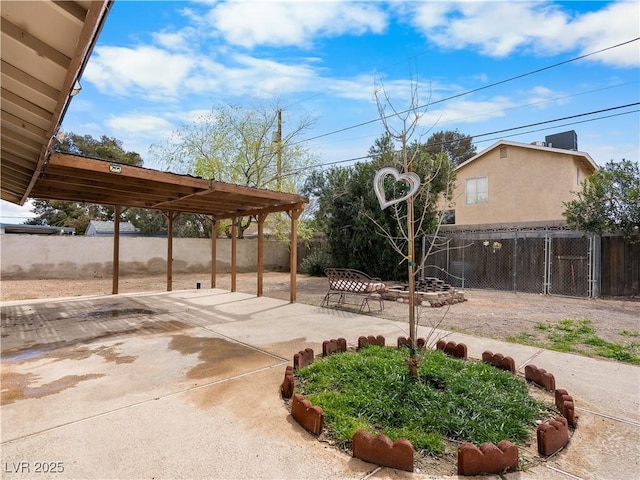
(39, 256)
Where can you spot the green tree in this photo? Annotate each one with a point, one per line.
(57, 213)
(105, 148)
(243, 146)
(78, 215)
(148, 222)
(155, 222)
(456, 145)
(347, 209)
(609, 201)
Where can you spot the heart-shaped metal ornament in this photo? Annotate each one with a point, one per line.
(411, 179)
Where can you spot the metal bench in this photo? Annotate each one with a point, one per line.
(346, 281)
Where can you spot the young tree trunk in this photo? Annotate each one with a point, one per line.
(413, 329)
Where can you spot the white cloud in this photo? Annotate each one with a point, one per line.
(501, 28)
(13, 213)
(81, 105)
(190, 116)
(497, 28)
(611, 144)
(138, 131)
(161, 76)
(430, 15)
(85, 128)
(543, 97)
(177, 41)
(133, 123)
(614, 24)
(481, 78)
(251, 23)
(246, 75)
(460, 111)
(175, 68)
(145, 70)
(467, 110)
(359, 88)
(605, 150)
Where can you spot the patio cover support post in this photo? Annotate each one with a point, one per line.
(234, 249)
(116, 250)
(293, 261)
(261, 218)
(214, 236)
(170, 217)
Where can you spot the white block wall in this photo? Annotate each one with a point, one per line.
(43, 256)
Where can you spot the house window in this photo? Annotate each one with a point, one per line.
(578, 176)
(448, 217)
(503, 152)
(477, 190)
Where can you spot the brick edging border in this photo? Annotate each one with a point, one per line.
(487, 458)
(380, 450)
(551, 435)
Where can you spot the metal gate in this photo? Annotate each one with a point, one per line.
(569, 266)
(541, 261)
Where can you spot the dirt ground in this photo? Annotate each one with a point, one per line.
(486, 313)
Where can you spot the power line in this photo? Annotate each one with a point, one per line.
(468, 92)
(558, 119)
(554, 99)
(336, 162)
(561, 125)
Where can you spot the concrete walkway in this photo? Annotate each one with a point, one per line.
(186, 385)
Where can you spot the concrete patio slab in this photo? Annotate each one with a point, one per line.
(222, 430)
(186, 385)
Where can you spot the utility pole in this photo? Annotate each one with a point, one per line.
(279, 152)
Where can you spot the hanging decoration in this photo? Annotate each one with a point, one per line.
(411, 179)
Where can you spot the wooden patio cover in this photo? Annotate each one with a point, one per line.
(81, 179)
(45, 48)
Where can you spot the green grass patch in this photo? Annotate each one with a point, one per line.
(453, 399)
(632, 333)
(579, 336)
(523, 338)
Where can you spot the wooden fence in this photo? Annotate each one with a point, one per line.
(557, 262)
(620, 266)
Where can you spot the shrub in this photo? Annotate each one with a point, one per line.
(316, 262)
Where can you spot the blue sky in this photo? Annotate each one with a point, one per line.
(159, 64)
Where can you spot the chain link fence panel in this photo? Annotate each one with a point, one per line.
(553, 262)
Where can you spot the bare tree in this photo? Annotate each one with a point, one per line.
(245, 146)
(404, 127)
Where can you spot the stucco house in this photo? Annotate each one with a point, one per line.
(506, 230)
(518, 183)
